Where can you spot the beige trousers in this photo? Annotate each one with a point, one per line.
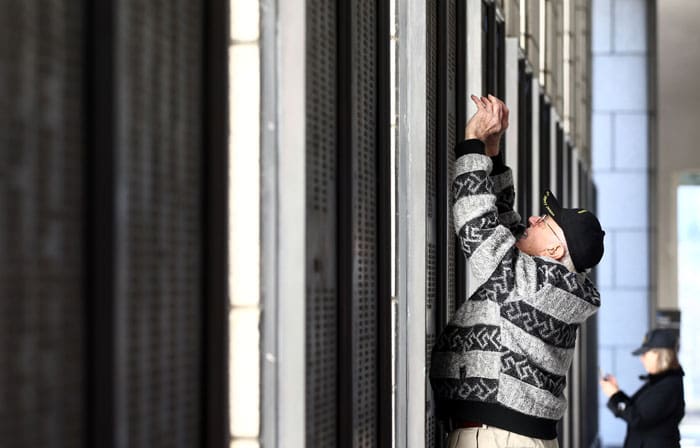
(490, 437)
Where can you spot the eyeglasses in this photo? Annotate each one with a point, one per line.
(543, 219)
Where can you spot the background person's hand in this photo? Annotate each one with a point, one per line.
(609, 385)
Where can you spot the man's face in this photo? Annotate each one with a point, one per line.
(542, 237)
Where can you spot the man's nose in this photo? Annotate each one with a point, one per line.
(533, 220)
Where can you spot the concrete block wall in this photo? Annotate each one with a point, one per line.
(620, 151)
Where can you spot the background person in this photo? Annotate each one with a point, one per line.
(654, 412)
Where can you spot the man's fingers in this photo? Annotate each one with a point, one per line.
(497, 109)
(496, 106)
(476, 101)
(495, 100)
(487, 104)
(498, 112)
(503, 110)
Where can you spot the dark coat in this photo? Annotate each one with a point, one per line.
(653, 412)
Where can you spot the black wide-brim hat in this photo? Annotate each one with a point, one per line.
(658, 338)
(584, 236)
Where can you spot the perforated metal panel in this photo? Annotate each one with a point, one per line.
(524, 187)
(442, 134)
(568, 169)
(432, 431)
(545, 131)
(342, 225)
(365, 222)
(431, 309)
(322, 299)
(560, 163)
(41, 250)
(460, 98)
(452, 136)
(159, 233)
(582, 183)
(431, 105)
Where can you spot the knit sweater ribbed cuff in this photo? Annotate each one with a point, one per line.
(474, 146)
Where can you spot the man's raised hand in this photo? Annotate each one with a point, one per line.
(493, 141)
(488, 123)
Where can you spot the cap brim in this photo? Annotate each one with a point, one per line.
(640, 351)
(551, 204)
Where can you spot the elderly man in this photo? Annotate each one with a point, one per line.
(499, 367)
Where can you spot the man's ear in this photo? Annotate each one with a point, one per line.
(556, 252)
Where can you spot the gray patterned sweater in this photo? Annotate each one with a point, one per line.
(503, 357)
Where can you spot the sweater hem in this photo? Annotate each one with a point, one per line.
(494, 414)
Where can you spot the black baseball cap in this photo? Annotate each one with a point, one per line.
(584, 237)
(658, 338)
